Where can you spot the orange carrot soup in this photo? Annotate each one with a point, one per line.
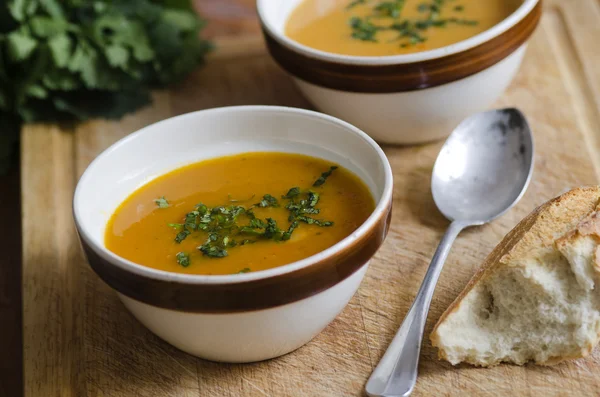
(392, 27)
(238, 214)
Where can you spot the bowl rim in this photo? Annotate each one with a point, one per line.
(515, 17)
(382, 206)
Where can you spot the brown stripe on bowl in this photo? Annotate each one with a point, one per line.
(402, 77)
(245, 296)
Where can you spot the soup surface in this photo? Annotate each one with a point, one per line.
(241, 213)
(392, 27)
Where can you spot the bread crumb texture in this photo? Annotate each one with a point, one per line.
(537, 296)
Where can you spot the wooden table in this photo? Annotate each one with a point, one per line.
(80, 341)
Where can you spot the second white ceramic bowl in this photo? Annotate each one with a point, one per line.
(404, 99)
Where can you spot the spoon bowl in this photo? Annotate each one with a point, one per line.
(482, 170)
(484, 166)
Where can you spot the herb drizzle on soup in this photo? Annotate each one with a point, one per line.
(390, 27)
(225, 229)
(408, 31)
(237, 214)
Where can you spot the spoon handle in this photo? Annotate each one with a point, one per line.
(396, 373)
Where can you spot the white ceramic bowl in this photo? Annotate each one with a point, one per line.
(404, 99)
(244, 317)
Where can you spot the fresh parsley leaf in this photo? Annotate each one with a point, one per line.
(61, 48)
(201, 208)
(254, 227)
(466, 22)
(47, 27)
(191, 220)
(223, 224)
(410, 31)
(257, 223)
(390, 9)
(53, 8)
(268, 201)
(20, 9)
(312, 221)
(354, 3)
(293, 192)
(162, 202)
(117, 56)
(313, 199)
(363, 29)
(244, 270)
(182, 235)
(288, 234)
(321, 180)
(272, 230)
(212, 251)
(183, 259)
(20, 46)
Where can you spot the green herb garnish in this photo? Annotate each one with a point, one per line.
(466, 22)
(354, 3)
(288, 234)
(226, 227)
(312, 221)
(212, 251)
(182, 235)
(162, 202)
(409, 32)
(244, 270)
(390, 9)
(293, 192)
(183, 259)
(321, 180)
(363, 29)
(268, 201)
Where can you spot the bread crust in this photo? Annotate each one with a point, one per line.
(539, 229)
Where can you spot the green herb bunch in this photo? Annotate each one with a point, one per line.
(72, 60)
(227, 227)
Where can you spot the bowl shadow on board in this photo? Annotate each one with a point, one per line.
(419, 199)
(132, 360)
(122, 357)
(418, 196)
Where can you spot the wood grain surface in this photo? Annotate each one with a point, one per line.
(80, 341)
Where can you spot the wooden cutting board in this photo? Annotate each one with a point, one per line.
(80, 341)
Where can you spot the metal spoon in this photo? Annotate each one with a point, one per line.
(482, 170)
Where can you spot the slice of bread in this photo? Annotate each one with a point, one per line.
(537, 295)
